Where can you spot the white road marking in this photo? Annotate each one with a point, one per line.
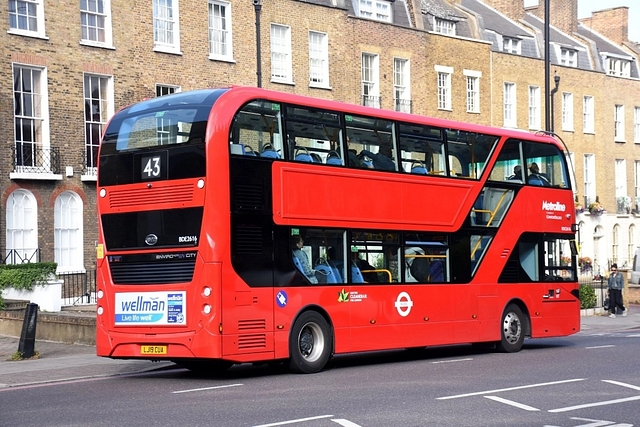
(591, 405)
(593, 423)
(633, 387)
(512, 403)
(345, 423)
(601, 346)
(299, 420)
(454, 360)
(479, 393)
(206, 388)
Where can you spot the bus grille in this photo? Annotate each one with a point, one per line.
(141, 196)
(246, 342)
(244, 325)
(249, 198)
(145, 273)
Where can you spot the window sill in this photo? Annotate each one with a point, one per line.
(167, 49)
(320, 86)
(99, 45)
(218, 58)
(23, 33)
(88, 178)
(35, 176)
(589, 132)
(620, 141)
(283, 82)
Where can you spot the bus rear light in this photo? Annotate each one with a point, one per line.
(206, 309)
(201, 183)
(100, 310)
(207, 291)
(103, 192)
(100, 294)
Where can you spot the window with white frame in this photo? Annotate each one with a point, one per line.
(618, 120)
(589, 170)
(444, 26)
(511, 45)
(371, 80)
(567, 111)
(621, 177)
(95, 22)
(318, 59)
(162, 90)
(636, 184)
(22, 227)
(534, 107)
(614, 243)
(588, 115)
(510, 105)
(31, 119)
(618, 67)
(568, 57)
(444, 87)
(220, 40)
(98, 108)
(473, 90)
(636, 125)
(401, 85)
(631, 245)
(67, 234)
(375, 9)
(26, 17)
(166, 26)
(281, 71)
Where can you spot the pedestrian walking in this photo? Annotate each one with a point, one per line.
(615, 285)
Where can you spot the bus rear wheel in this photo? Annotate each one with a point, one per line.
(310, 343)
(511, 330)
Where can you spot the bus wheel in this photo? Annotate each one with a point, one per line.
(310, 343)
(512, 330)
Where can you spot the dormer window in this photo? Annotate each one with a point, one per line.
(511, 45)
(568, 57)
(374, 9)
(444, 26)
(618, 67)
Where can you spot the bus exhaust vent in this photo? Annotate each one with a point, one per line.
(249, 198)
(146, 273)
(249, 240)
(244, 325)
(250, 342)
(153, 195)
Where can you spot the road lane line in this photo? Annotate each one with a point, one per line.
(600, 346)
(633, 387)
(512, 403)
(206, 388)
(453, 361)
(591, 405)
(345, 423)
(299, 420)
(479, 393)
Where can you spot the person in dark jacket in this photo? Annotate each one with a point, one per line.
(615, 285)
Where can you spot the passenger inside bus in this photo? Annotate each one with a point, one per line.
(537, 178)
(301, 260)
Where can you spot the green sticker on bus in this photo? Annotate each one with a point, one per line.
(275, 107)
(348, 118)
(295, 232)
(160, 113)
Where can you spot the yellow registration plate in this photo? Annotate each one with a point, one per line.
(153, 349)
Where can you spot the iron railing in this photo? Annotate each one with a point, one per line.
(403, 105)
(371, 101)
(33, 158)
(21, 256)
(78, 287)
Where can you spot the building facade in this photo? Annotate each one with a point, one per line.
(67, 67)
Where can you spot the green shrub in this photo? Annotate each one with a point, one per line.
(587, 297)
(24, 276)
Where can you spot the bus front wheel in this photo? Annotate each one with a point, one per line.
(511, 330)
(310, 343)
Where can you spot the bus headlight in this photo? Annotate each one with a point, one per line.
(103, 192)
(100, 310)
(207, 291)
(201, 183)
(207, 309)
(100, 294)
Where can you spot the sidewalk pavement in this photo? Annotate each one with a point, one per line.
(59, 361)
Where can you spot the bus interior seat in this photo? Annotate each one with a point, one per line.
(419, 168)
(436, 271)
(269, 152)
(298, 264)
(328, 274)
(333, 158)
(248, 150)
(302, 155)
(356, 274)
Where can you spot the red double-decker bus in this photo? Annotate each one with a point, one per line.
(244, 225)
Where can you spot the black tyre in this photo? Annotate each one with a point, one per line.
(511, 330)
(309, 344)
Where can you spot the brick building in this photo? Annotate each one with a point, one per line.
(67, 67)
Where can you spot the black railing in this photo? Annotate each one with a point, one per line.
(371, 101)
(403, 105)
(32, 158)
(21, 256)
(78, 287)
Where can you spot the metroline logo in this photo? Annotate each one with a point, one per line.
(554, 207)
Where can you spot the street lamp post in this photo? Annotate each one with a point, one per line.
(257, 5)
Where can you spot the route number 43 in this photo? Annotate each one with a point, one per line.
(151, 167)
